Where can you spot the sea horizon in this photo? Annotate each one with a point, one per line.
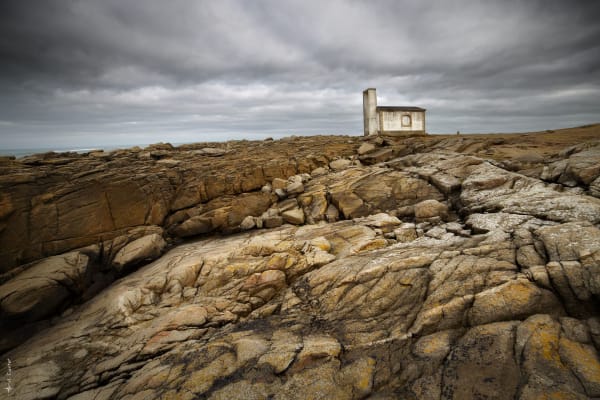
(28, 151)
(20, 152)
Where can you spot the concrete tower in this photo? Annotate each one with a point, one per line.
(370, 111)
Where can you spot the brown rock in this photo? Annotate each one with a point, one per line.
(366, 148)
(294, 188)
(294, 216)
(405, 233)
(248, 223)
(340, 164)
(273, 222)
(46, 287)
(466, 376)
(341, 308)
(279, 183)
(430, 209)
(194, 226)
(146, 248)
(511, 301)
(79, 200)
(319, 172)
(349, 204)
(377, 156)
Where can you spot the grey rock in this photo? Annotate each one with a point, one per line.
(210, 152)
(318, 172)
(281, 193)
(340, 164)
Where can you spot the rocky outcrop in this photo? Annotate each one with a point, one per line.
(334, 306)
(53, 203)
(429, 275)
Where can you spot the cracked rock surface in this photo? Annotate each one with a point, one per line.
(432, 270)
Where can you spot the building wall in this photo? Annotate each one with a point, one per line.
(392, 121)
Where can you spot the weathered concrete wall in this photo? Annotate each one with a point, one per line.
(401, 121)
(370, 112)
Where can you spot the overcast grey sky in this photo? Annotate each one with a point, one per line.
(112, 72)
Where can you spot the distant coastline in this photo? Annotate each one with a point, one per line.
(24, 152)
(20, 153)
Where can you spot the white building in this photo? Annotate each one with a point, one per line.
(391, 120)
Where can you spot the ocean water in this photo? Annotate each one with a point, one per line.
(27, 152)
(18, 153)
(23, 152)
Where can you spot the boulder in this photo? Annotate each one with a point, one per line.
(318, 172)
(350, 205)
(314, 205)
(248, 223)
(210, 152)
(294, 216)
(144, 249)
(267, 188)
(377, 156)
(385, 222)
(430, 209)
(366, 148)
(405, 233)
(294, 188)
(45, 288)
(287, 204)
(340, 164)
(305, 177)
(194, 226)
(273, 222)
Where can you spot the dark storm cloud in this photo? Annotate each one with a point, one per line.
(124, 72)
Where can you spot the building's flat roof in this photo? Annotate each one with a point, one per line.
(399, 108)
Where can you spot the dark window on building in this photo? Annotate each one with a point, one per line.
(406, 120)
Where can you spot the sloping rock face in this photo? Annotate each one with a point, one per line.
(429, 275)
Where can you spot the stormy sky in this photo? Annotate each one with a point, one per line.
(114, 72)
